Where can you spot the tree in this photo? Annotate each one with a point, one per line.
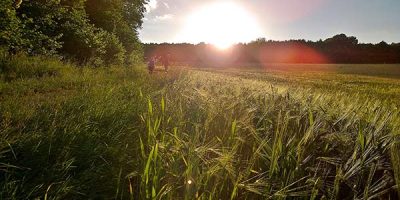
(122, 18)
(40, 26)
(342, 40)
(96, 31)
(10, 26)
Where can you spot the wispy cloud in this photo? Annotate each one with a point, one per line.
(166, 5)
(164, 17)
(152, 5)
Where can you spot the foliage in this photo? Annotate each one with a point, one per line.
(114, 50)
(40, 25)
(10, 33)
(98, 32)
(121, 18)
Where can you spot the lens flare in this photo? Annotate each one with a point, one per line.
(221, 24)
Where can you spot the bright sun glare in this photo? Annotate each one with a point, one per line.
(221, 24)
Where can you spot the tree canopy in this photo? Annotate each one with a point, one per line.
(95, 31)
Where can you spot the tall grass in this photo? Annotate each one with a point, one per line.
(120, 133)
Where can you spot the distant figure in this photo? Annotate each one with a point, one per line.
(151, 64)
(165, 61)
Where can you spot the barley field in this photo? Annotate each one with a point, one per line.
(283, 132)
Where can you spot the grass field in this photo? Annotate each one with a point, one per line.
(305, 132)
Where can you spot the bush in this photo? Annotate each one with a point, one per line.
(135, 56)
(114, 51)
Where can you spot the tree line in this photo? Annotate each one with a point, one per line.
(338, 49)
(99, 32)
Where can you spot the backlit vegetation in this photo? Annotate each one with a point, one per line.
(70, 133)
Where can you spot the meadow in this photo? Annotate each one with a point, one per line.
(283, 132)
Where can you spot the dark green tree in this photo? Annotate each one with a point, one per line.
(10, 26)
(122, 18)
(95, 31)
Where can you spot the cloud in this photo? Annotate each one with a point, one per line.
(166, 5)
(164, 17)
(152, 5)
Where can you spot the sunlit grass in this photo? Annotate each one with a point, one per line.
(122, 133)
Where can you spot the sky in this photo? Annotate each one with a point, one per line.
(194, 21)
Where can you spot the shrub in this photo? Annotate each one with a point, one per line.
(114, 53)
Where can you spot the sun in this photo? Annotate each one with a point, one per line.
(222, 24)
